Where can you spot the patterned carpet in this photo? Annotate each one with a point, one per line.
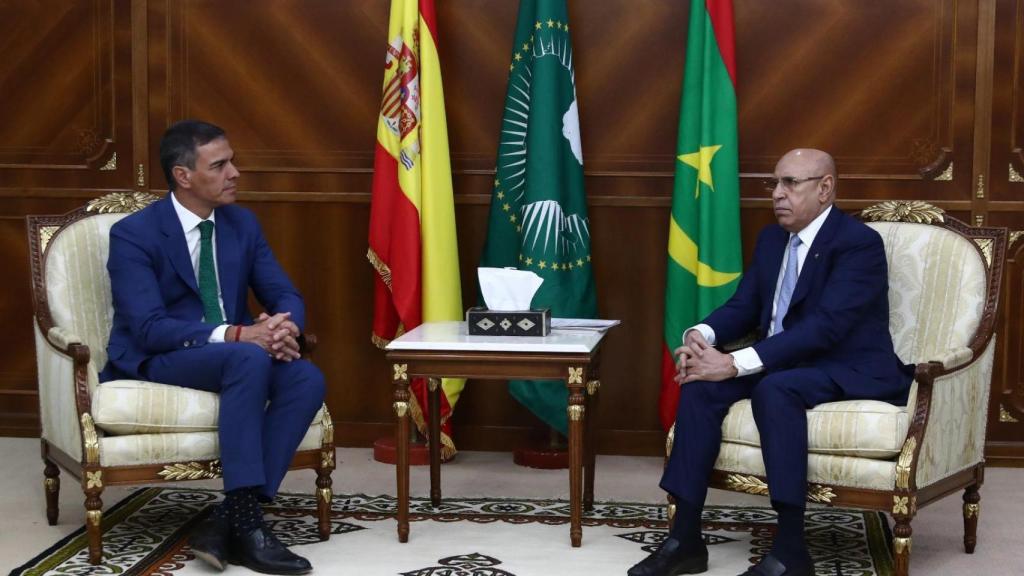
(145, 535)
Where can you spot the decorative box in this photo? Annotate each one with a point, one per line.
(485, 322)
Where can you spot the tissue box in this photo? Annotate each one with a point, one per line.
(485, 322)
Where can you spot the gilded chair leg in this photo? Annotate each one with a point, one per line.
(94, 519)
(324, 493)
(972, 508)
(901, 545)
(51, 485)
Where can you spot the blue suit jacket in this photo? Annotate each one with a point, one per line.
(838, 318)
(157, 307)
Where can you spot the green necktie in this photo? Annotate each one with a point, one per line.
(208, 275)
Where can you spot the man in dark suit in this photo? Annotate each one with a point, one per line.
(180, 273)
(816, 293)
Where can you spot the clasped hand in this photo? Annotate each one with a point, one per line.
(698, 360)
(276, 334)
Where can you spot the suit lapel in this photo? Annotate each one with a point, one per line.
(227, 265)
(177, 248)
(813, 261)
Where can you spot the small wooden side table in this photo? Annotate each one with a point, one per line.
(436, 350)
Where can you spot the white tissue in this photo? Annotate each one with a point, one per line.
(507, 288)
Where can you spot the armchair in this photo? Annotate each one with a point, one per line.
(944, 280)
(123, 431)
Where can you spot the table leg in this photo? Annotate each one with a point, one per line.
(434, 389)
(590, 447)
(401, 406)
(576, 415)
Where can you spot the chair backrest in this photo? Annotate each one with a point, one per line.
(71, 287)
(943, 286)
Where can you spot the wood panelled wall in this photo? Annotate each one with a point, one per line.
(917, 99)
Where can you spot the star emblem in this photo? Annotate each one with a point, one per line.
(701, 162)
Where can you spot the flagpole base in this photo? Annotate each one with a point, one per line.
(545, 458)
(386, 452)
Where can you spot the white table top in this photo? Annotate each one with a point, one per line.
(455, 336)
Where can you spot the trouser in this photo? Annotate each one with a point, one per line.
(266, 406)
(779, 401)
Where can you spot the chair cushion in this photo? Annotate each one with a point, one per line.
(865, 428)
(140, 407)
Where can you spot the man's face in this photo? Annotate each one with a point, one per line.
(212, 182)
(801, 193)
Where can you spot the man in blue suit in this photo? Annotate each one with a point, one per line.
(816, 294)
(180, 273)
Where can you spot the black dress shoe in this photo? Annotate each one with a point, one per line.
(209, 541)
(771, 566)
(669, 560)
(261, 551)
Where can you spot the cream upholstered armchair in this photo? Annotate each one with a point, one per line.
(944, 279)
(123, 431)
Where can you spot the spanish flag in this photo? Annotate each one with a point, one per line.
(412, 216)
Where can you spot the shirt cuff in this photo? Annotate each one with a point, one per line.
(706, 331)
(217, 336)
(747, 362)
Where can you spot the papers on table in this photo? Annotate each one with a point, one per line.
(590, 324)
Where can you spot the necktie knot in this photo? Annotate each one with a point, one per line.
(794, 242)
(789, 276)
(206, 230)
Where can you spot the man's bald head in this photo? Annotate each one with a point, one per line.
(806, 184)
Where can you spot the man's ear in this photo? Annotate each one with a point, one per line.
(826, 192)
(182, 176)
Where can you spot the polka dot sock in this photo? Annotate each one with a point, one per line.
(242, 510)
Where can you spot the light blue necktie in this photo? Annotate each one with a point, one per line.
(787, 286)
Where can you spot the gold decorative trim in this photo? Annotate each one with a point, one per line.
(902, 545)
(1014, 175)
(327, 459)
(1005, 416)
(900, 504)
(575, 412)
(90, 441)
(121, 202)
(820, 493)
(379, 342)
(903, 211)
(94, 517)
(326, 427)
(94, 479)
(51, 484)
(985, 244)
(191, 471)
(433, 383)
(326, 495)
(140, 179)
(972, 510)
(593, 386)
(45, 235)
(947, 174)
(575, 375)
(670, 440)
(380, 267)
(748, 484)
(980, 189)
(401, 371)
(401, 409)
(904, 463)
(671, 513)
(111, 164)
(979, 220)
(1015, 235)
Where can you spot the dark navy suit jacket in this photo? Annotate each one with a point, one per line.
(838, 318)
(157, 308)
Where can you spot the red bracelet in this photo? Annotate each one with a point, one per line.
(238, 332)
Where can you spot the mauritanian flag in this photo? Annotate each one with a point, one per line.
(538, 218)
(704, 248)
(412, 215)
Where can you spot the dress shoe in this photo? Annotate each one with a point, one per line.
(771, 566)
(259, 550)
(209, 541)
(670, 559)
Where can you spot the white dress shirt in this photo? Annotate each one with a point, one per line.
(190, 225)
(746, 360)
